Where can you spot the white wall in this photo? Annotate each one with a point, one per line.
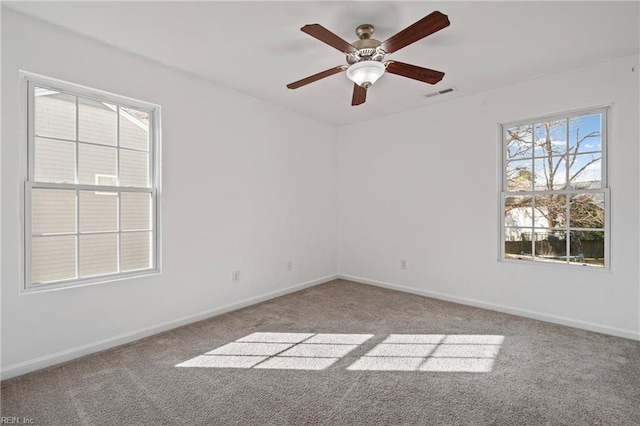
(423, 186)
(246, 186)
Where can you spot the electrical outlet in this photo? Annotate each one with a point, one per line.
(235, 277)
(289, 266)
(403, 264)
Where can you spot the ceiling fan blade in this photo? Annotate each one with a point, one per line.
(435, 21)
(315, 77)
(359, 95)
(414, 72)
(326, 36)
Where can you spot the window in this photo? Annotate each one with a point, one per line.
(91, 191)
(554, 190)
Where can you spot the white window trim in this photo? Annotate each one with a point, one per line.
(605, 110)
(28, 80)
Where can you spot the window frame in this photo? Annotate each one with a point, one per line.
(605, 111)
(29, 81)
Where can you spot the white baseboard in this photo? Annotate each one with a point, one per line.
(78, 351)
(584, 325)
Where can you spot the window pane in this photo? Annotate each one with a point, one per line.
(517, 244)
(97, 122)
(587, 210)
(550, 174)
(135, 211)
(519, 142)
(518, 211)
(551, 245)
(53, 211)
(134, 129)
(98, 254)
(55, 114)
(550, 138)
(585, 133)
(585, 171)
(136, 250)
(55, 161)
(98, 211)
(587, 247)
(97, 165)
(134, 168)
(550, 211)
(519, 175)
(53, 258)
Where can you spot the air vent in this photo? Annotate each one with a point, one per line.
(440, 92)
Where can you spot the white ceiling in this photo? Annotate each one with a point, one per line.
(257, 47)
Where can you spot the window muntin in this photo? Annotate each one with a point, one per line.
(554, 195)
(91, 194)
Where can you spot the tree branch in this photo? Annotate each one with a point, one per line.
(582, 169)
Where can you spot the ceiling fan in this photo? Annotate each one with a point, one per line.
(366, 57)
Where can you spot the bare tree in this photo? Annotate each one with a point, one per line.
(553, 160)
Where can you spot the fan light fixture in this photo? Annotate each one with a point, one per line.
(365, 73)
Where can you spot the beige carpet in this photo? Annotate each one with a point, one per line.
(344, 353)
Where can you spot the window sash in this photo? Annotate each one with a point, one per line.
(603, 111)
(29, 235)
(567, 228)
(95, 95)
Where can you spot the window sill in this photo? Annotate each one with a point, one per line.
(40, 288)
(559, 266)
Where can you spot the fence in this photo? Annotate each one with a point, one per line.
(588, 248)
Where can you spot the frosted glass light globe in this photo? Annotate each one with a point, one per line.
(365, 72)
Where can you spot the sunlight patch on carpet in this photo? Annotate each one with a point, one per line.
(276, 337)
(287, 351)
(297, 363)
(250, 349)
(471, 353)
(319, 350)
(461, 353)
(223, 361)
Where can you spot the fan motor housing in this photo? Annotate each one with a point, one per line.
(368, 48)
(366, 54)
